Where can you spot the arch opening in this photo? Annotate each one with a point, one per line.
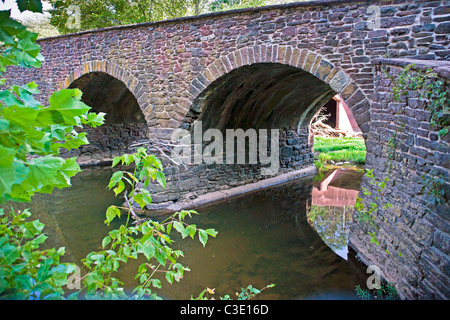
(124, 125)
(264, 96)
(276, 96)
(337, 115)
(261, 96)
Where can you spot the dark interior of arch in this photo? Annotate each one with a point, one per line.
(124, 121)
(107, 94)
(262, 96)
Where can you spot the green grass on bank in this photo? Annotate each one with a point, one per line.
(340, 149)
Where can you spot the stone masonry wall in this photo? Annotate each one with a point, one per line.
(412, 228)
(108, 141)
(167, 64)
(184, 184)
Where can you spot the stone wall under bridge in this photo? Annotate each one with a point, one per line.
(291, 153)
(414, 235)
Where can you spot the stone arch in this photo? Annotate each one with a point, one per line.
(115, 71)
(310, 62)
(110, 89)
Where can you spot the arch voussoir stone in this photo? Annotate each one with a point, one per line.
(232, 59)
(323, 69)
(101, 66)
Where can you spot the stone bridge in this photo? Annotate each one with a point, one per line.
(273, 68)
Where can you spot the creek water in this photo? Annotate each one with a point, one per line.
(292, 235)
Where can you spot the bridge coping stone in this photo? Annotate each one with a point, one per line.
(207, 16)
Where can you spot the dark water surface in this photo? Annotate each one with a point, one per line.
(271, 236)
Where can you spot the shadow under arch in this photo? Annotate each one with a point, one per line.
(125, 122)
(262, 96)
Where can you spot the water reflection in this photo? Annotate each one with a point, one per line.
(74, 217)
(264, 237)
(333, 200)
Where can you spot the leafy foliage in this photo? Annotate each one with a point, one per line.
(19, 44)
(106, 13)
(149, 239)
(30, 5)
(433, 187)
(25, 271)
(432, 89)
(222, 5)
(367, 213)
(30, 140)
(31, 135)
(246, 293)
(100, 13)
(386, 292)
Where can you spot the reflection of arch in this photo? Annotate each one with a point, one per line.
(328, 194)
(288, 62)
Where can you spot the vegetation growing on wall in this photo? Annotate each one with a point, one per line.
(432, 92)
(431, 89)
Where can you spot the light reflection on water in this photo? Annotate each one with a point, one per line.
(333, 200)
(264, 237)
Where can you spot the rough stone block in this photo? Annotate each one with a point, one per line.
(323, 70)
(339, 81)
(309, 61)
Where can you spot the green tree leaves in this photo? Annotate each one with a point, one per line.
(20, 47)
(31, 135)
(105, 13)
(111, 213)
(148, 238)
(31, 5)
(29, 130)
(26, 271)
(9, 27)
(221, 5)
